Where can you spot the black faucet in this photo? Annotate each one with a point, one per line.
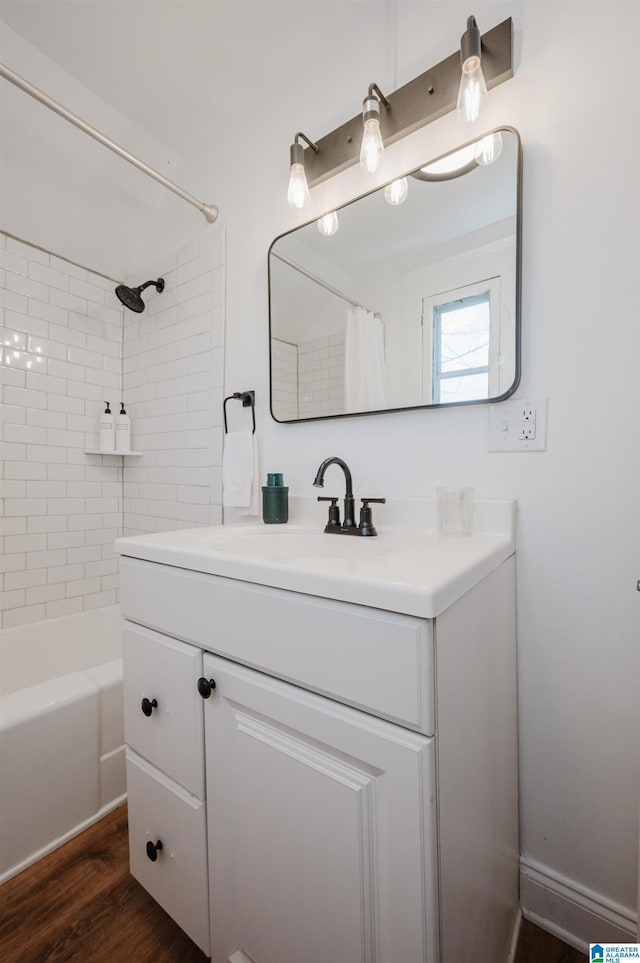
(348, 526)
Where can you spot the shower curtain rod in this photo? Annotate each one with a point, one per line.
(323, 284)
(210, 211)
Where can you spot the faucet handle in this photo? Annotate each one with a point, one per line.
(334, 511)
(366, 516)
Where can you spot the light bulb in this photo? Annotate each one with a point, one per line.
(489, 149)
(372, 145)
(298, 193)
(396, 192)
(328, 224)
(473, 90)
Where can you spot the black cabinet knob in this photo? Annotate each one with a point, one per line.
(148, 706)
(153, 850)
(206, 687)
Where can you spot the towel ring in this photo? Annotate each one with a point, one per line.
(248, 399)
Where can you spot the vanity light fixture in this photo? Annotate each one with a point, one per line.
(298, 193)
(436, 92)
(372, 146)
(328, 225)
(396, 192)
(472, 93)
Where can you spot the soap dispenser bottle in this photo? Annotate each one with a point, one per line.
(107, 433)
(275, 500)
(123, 430)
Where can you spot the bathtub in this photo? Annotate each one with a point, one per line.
(61, 732)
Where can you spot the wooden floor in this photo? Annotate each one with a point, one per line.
(536, 946)
(80, 903)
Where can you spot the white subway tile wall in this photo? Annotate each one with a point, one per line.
(63, 351)
(173, 374)
(284, 379)
(321, 376)
(60, 510)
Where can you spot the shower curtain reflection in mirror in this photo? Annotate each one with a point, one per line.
(365, 375)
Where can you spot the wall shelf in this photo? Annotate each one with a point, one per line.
(98, 451)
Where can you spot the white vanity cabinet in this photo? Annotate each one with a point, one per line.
(357, 767)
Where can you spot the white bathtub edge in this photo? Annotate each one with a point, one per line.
(60, 840)
(39, 700)
(70, 724)
(40, 651)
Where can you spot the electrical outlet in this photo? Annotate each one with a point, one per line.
(518, 425)
(527, 423)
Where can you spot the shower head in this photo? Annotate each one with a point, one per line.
(131, 297)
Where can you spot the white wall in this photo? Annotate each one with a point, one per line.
(578, 515)
(60, 358)
(64, 340)
(173, 370)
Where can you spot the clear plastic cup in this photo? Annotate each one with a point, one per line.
(455, 511)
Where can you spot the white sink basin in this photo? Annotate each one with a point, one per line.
(291, 543)
(402, 569)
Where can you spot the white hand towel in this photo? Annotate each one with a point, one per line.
(254, 503)
(238, 469)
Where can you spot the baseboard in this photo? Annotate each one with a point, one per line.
(572, 912)
(61, 840)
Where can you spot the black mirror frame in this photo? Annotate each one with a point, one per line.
(518, 300)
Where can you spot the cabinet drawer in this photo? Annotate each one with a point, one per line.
(378, 661)
(160, 810)
(165, 671)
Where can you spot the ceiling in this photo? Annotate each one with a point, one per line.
(182, 84)
(170, 65)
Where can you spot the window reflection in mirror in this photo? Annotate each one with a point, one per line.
(405, 305)
(461, 348)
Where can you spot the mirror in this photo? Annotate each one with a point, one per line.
(407, 305)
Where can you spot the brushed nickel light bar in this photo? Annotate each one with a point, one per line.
(416, 104)
(210, 211)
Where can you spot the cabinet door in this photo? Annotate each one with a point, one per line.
(321, 828)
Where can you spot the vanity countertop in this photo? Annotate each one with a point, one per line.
(408, 567)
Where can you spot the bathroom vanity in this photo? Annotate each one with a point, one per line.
(321, 738)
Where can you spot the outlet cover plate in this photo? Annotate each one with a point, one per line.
(510, 425)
